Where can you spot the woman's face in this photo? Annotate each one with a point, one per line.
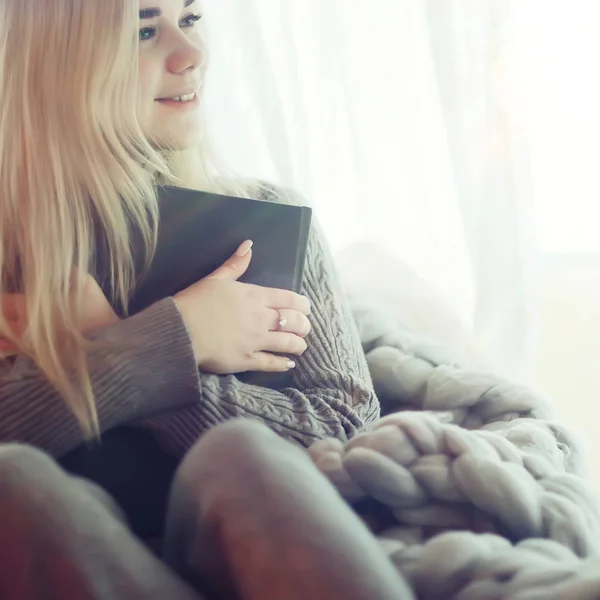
(171, 71)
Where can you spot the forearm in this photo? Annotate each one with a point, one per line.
(302, 417)
(138, 366)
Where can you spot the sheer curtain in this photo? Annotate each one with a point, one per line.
(397, 120)
(559, 46)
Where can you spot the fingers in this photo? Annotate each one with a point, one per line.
(7, 348)
(281, 299)
(233, 268)
(294, 322)
(285, 343)
(13, 306)
(14, 310)
(269, 363)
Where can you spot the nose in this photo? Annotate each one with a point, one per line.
(188, 56)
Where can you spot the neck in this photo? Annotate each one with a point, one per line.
(189, 169)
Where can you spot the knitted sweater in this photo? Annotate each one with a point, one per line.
(147, 376)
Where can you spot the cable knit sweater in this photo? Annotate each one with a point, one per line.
(147, 376)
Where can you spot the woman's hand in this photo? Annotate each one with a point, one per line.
(96, 312)
(235, 327)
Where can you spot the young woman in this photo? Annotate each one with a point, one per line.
(100, 101)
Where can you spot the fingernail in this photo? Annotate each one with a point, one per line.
(291, 365)
(245, 248)
(308, 304)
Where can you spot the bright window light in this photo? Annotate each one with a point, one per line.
(559, 54)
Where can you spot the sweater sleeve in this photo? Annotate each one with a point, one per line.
(138, 366)
(331, 394)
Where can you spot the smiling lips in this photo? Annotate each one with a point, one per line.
(183, 98)
(187, 94)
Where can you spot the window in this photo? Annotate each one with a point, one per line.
(558, 45)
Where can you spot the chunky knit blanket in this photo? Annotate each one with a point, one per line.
(472, 489)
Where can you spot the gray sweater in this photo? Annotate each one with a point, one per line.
(147, 376)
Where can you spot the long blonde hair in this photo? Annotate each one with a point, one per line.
(74, 165)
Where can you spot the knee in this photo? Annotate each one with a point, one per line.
(20, 462)
(237, 438)
(232, 445)
(240, 431)
(24, 473)
(32, 482)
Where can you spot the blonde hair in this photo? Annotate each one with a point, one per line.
(74, 166)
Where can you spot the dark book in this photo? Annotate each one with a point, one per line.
(199, 231)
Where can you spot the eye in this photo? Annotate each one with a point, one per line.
(190, 20)
(147, 33)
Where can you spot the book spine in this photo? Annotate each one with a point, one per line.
(301, 248)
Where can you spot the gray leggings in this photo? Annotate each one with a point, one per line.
(249, 517)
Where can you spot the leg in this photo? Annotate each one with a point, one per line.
(61, 538)
(250, 512)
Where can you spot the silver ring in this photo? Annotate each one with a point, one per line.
(281, 323)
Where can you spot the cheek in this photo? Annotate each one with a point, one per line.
(147, 90)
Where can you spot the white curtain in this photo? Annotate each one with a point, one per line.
(397, 119)
(559, 50)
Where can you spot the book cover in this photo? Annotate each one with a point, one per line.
(199, 231)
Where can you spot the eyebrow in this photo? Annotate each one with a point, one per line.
(151, 13)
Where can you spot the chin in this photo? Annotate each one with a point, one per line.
(175, 131)
(176, 139)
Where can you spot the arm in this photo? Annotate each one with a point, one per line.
(331, 394)
(146, 366)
